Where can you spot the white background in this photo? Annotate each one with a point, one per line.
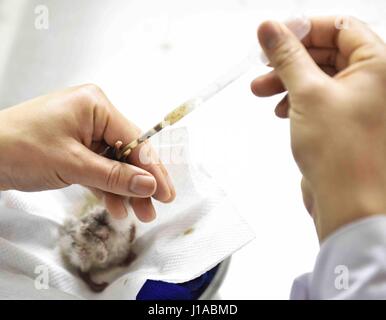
(148, 56)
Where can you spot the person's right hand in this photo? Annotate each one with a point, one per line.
(55, 140)
(337, 117)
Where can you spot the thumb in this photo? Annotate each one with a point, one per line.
(112, 176)
(287, 55)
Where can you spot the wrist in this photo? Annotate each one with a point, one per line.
(336, 209)
(4, 153)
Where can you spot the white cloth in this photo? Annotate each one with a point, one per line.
(191, 236)
(351, 264)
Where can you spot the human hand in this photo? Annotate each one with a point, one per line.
(54, 141)
(336, 104)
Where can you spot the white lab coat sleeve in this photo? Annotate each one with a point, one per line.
(351, 264)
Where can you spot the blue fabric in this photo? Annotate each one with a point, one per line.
(191, 290)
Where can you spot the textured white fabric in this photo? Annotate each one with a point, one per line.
(191, 235)
(351, 264)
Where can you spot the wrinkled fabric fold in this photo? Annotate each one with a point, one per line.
(191, 236)
(351, 264)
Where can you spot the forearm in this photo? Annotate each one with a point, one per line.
(336, 208)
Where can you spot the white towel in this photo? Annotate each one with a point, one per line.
(31, 266)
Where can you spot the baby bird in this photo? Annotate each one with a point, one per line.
(96, 241)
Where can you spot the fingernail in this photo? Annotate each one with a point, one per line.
(269, 34)
(148, 217)
(142, 185)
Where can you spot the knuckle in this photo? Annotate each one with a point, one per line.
(354, 21)
(286, 54)
(365, 52)
(90, 94)
(114, 176)
(346, 22)
(92, 88)
(76, 151)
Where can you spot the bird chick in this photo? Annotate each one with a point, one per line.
(97, 241)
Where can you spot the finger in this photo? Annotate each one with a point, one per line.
(99, 194)
(323, 33)
(146, 157)
(143, 209)
(111, 176)
(282, 108)
(270, 84)
(267, 85)
(110, 126)
(116, 205)
(346, 34)
(290, 59)
(328, 57)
